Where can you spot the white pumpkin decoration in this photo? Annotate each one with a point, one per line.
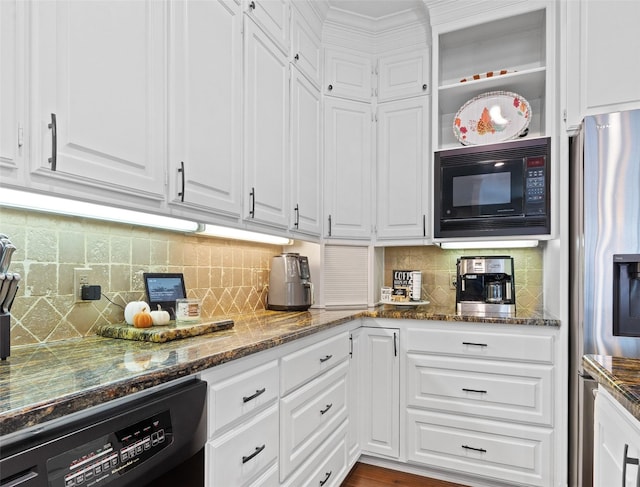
(160, 316)
(133, 308)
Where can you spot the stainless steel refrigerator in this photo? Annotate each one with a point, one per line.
(605, 221)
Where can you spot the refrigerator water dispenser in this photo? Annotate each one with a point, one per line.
(626, 295)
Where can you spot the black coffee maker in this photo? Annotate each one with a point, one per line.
(485, 286)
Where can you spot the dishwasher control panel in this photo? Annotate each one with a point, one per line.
(103, 459)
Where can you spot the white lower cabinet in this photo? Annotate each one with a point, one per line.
(327, 466)
(380, 391)
(309, 415)
(244, 454)
(243, 424)
(616, 444)
(480, 400)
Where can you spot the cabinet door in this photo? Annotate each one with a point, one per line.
(608, 74)
(616, 443)
(266, 129)
(205, 105)
(306, 162)
(305, 47)
(403, 74)
(348, 74)
(354, 386)
(12, 96)
(99, 66)
(348, 177)
(380, 398)
(273, 17)
(403, 191)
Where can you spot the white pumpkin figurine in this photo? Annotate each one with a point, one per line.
(160, 317)
(133, 308)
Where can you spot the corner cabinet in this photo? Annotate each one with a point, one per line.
(348, 74)
(99, 99)
(348, 168)
(402, 176)
(616, 443)
(205, 100)
(266, 130)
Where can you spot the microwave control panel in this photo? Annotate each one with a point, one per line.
(535, 185)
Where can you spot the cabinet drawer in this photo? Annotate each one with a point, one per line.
(242, 394)
(240, 456)
(327, 466)
(303, 365)
(500, 345)
(510, 391)
(309, 415)
(510, 453)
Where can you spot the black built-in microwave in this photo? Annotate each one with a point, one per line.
(495, 190)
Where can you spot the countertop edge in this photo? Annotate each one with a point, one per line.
(22, 418)
(619, 388)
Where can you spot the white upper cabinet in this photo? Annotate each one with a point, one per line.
(348, 168)
(403, 74)
(471, 52)
(266, 130)
(205, 105)
(348, 74)
(306, 53)
(273, 17)
(12, 96)
(603, 68)
(99, 99)
(306, 156)
(402, 156)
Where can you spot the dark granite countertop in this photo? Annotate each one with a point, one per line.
(43, 382)
(618, 375)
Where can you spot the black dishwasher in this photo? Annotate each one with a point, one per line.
(157, 439)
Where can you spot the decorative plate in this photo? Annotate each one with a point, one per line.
(492, 117)
(487, 74)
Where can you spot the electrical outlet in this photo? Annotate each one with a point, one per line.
(80, 278)
(452, 280)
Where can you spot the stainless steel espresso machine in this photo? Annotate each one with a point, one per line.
(485, 286)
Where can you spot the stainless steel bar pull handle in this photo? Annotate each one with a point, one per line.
(297, 211)
(252, 197)
(325, 358)
(53, 160)
(626, 460)
(259, 392)
(256, 451)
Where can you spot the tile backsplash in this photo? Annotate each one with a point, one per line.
(438, 268)
(229, 276)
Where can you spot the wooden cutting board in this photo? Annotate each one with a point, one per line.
(160, 334)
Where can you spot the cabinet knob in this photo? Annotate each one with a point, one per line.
(330, 87)
(296, 57)
(424, 87)
(252, 5)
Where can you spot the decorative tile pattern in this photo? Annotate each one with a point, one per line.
(229, 276)
(438, 268)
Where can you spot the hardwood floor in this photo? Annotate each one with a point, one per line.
(363, 475)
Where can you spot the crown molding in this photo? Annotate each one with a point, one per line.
(446, 11)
